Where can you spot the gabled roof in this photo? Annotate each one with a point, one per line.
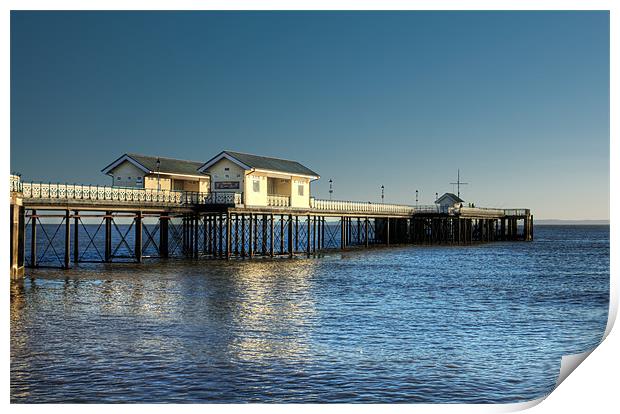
(148, 164)
(454, 198)
(249, 161)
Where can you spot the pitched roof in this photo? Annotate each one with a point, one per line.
(262, 163)
(450, 195)
(149, 164)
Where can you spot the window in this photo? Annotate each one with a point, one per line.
(300, 189)
(256, 186)
(118, 178)
(226, 169)
(128, 178)
(139, 180)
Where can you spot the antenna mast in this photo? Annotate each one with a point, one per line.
(458, 183)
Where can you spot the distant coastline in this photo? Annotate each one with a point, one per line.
(557, 222)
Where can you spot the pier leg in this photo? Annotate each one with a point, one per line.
(271, 241)
(76, 228)
(108, 236)
(366, 241)
(264, 223)
(236, 234)
(250, 237)
(205, 235)
(242, 235)
(308, 246)
(163, 236)
(342, 234)
(281, 234)
(138, 248)
(196, 225)
(221, 235)
(228, 236)
(33, 239)
(387, 231)
(296, 233)
(290, 235)
(67, 239)
(323, 232)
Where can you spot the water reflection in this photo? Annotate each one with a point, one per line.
(398, 325)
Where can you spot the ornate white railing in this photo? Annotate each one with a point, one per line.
(360, 207)
(123, 194)
(15, 183)
(278, 200)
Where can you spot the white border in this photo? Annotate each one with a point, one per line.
(593, 388)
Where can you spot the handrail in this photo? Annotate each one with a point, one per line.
(15, 183)
(276, 200)
(126, 194)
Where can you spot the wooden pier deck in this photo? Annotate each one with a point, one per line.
(218, 225)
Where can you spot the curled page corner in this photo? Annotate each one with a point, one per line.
(569, 363)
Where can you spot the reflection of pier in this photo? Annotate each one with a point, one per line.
(218, 225)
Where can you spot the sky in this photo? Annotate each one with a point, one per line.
(518, 101)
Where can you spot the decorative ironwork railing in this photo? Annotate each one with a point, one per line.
(15, 183)
(123, 194)
(274, 200)
(360, 207)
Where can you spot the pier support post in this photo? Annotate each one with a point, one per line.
(236, 234)
(251, 237)
(264, 246)
(242, 235)
(290, 235)
(108, 236)
(387, 231)
(271, 241)
(67, 239)
(342, 234)
(220, 226)
(309, 235)
(366, 241)
(138, 237)
(33, 239)
(296, 233)
(228, 236)
(196, 222)
(281, 234)
(76, 228)
(163, 236)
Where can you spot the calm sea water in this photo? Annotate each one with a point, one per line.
(484, 323)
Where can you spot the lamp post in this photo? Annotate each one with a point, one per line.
(436, 196)
(158, 164)
(382, 194)
(331, 189)
(416, 198)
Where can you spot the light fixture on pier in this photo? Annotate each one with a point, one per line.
(382, 193)
(158, 164)
(416, 198)
(331, 188)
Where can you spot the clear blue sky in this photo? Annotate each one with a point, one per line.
(519, 101)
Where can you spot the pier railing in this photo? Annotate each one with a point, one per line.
(274, 200)
(15, 183)
(122, 194)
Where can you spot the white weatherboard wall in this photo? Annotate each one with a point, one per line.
(150, 182)
(225, 171)
(252, 197)
(298, 200)
(125, 175)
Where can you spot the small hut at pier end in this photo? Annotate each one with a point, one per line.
(447, 201)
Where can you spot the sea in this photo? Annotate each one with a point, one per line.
(484, 323)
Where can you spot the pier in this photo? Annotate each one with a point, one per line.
(133, 224)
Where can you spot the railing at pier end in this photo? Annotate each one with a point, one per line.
(15, 183)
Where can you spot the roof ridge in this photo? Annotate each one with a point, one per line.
(166, 158)
(263, 156)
